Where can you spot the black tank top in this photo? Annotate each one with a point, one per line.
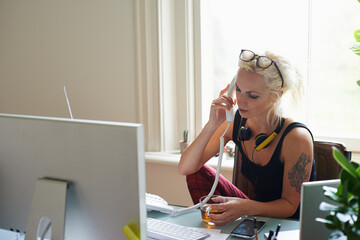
(267, 180)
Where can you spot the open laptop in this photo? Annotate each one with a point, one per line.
(312, 195)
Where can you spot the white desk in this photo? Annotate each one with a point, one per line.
(193, 219)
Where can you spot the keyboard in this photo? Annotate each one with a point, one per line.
(159, 229)
(154, 202)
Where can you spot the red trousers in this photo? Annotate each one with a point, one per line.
(200, 183)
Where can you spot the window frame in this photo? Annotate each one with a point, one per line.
(168, 102)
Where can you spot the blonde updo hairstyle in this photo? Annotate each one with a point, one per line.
(292, 82)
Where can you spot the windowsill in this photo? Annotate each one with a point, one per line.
(173, 158)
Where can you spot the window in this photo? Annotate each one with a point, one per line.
(188, 51)
(334, 69)
(314, 38)
(280, 26)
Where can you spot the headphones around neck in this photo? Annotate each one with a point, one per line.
(262, 140)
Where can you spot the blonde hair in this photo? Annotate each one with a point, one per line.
(292, 82)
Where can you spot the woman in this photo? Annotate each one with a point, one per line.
(276, 170)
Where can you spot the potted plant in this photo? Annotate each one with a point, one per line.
(344, 216)
(185, 142)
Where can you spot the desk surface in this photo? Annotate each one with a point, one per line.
(193, 219)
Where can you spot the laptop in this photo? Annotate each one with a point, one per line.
(312, 195)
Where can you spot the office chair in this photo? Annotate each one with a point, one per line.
(326, 166)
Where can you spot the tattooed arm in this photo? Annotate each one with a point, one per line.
(297, 154)
(298, 173)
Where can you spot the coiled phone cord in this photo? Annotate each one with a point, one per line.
(211, 193)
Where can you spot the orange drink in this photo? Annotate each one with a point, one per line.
(206, 210)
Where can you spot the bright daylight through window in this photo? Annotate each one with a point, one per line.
(315, 39)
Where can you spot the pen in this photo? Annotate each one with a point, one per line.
(255, 229)
(277, 231)
(271, 233)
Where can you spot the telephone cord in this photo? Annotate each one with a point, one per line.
(200, 204)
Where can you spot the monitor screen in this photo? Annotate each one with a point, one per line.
(104, 161)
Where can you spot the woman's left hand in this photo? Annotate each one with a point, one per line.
(234, 209)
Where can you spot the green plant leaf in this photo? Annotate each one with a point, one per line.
(323, 220)
(344, 163)
(336, 235)
(329, 189)
(356, 188)
(358, 83)
(186, 135)
(338, 209)
(354, 202)
(357, 35)
(351, 231)
(328, 207)
(335, 222)
(348, 182)
(355, 48)
(331, 193)
(346, 210)
(344, 187)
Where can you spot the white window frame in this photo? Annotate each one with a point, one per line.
(166, 71)
(170, 73)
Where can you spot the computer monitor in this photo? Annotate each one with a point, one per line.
(103, 160)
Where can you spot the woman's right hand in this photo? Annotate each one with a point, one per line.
(219, 106)
(206, 144)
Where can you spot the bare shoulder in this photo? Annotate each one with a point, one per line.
(298, 144)
(298, 137)
(297, 153)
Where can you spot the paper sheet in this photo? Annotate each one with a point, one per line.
(286, 235)
(215, 234)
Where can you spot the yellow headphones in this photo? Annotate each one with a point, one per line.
(262, 140)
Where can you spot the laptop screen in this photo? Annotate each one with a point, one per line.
(312, 195)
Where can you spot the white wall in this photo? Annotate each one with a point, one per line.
(93, 48)
(163, 178)
(87, 45)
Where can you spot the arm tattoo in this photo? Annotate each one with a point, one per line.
(298, 173)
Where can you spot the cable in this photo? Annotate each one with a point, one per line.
(48, 226)
(68, 103)
(200, 204)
